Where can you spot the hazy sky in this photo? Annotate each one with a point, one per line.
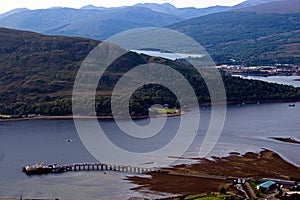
(6, 5)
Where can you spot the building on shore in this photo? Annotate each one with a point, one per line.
(266, 186)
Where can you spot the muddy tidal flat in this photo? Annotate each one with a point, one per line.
(208, 175)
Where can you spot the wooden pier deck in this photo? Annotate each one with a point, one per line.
(106, 167)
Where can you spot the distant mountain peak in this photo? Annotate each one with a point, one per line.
(17, 10)
(14, 11)
(163, 8)
(274, 6)
(56, 7)
(155, 4)
(90, 6)
(249, 3)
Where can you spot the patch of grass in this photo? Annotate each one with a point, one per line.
(209, 197)
(5, 116)
(165, 110)
(257, 192)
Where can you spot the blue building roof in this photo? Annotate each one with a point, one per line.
(267, 184)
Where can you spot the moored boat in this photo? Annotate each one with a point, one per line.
(41, 169)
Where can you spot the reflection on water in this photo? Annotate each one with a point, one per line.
(168, 55)
(247, 128)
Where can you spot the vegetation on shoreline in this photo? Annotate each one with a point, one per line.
(38, 72)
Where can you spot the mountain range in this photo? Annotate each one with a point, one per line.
(255, 32)
(101, 23)
(92, 23)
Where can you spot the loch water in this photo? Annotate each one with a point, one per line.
(247, 128)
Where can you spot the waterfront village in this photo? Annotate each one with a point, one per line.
(267, 188)
(274, 70)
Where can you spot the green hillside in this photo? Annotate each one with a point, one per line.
(250, 38)
(37, 74)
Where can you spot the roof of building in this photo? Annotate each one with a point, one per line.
(267, 184)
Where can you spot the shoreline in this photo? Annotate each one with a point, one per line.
(185, 178)
(46, 117)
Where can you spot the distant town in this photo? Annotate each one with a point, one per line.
(276, 70)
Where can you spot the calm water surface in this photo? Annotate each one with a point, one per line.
(247, 128)
(285, 80)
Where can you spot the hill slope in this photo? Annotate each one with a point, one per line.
(283, 6)
(250, 3)
(34, 64)
(37, 74)
(92, 23)
(248, 37)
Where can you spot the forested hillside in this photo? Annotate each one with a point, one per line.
(37, 74)
(248, 38)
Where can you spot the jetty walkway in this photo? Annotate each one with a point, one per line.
(107, 167)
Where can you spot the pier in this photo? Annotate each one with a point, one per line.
(106, 167)
(55, 168)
